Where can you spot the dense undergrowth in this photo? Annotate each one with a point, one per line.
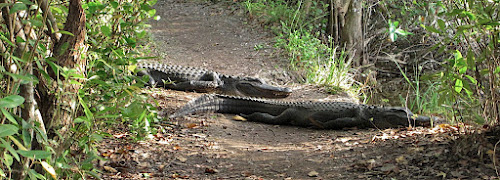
(462, 36)
(459, 38)
(115, 38)
(298, 27)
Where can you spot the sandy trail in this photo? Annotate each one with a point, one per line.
(212, 146)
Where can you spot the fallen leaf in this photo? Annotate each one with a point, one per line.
(442, 174)
(415, 149)
(146, 175)
(177, 147)
(401, 160)
(239, 118)
(106, 154)
(463, 162)
(313, 174)
(49, 169)
(181, 158)
(246, 173)
(446, 128)
(404, 172)
(179, 176)
(343, 140)
(211, 170)
(110, 169)
(315, 160)
(370, 164)
(120, 135)
(191, 125)
(199, 135)
(456, 174)
(388, 168)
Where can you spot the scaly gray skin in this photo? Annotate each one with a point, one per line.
(203, 80)
(322, 115)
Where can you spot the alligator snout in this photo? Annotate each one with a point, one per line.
(423, 121)
(283, 92)
(254, 89)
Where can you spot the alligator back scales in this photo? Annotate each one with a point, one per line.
(327, 115)
(202, 80)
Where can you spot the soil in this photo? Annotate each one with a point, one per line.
(218, 36)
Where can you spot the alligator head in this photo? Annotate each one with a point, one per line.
(255, 87)
(398, 117)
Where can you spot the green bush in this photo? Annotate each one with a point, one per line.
(116, 38)
(466, 34)
(321, 64)
(469, 31)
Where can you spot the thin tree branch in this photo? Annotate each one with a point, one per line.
(26, 90)
(8, 19)
(3, 49)
(51, 23)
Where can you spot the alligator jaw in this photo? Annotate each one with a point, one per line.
(262, 90)
(398, 116)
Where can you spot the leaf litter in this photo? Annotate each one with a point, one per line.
(214, 146)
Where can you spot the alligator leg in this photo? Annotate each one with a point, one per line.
(207, 83)
(346, 122)
(284, 118)
(211, 76)
(146, 73)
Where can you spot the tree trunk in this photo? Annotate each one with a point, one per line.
(336, 16)
(58, 110)
(331, 20)
(352, 34)
(28, 114)
(345, 26)
(25, 90)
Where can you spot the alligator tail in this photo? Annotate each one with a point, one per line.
(205, 103)
(223, 104)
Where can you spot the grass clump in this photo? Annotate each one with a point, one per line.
(320, 63)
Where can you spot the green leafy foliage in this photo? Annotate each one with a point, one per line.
(35, 154)
(394, 31)
(11, 101)
(475, 34)
(467, 33)
(7, 130)
(293, 24)
(109, 95)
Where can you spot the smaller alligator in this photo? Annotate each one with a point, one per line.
(203, 80)
(321, 115)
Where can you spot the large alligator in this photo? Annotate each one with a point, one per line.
(202, 80)
(321, 115)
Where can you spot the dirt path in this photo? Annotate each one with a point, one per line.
(204, 35)
(213, 146)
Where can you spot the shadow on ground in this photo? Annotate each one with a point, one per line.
(212, 146)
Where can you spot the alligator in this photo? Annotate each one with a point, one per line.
(202, 80)
(320, 115)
